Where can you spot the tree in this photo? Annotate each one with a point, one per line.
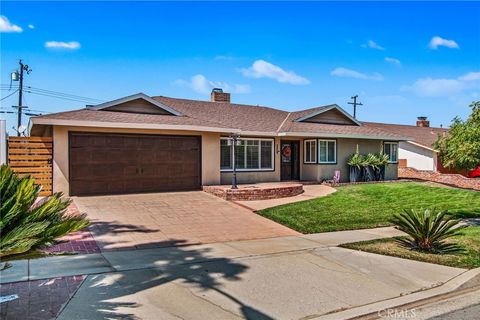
(460, 148)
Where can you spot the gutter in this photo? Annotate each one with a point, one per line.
(341, 135)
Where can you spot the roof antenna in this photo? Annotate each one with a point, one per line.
(355, 104)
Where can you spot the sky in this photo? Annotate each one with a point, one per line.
(403, 59)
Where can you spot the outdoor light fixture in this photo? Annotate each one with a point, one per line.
(234, 140)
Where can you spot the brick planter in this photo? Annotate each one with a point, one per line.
(455, 180)
(256, 192)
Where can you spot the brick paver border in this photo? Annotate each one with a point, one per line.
(38, 299)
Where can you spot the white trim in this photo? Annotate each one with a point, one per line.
(391, 144)
(272, 140)
(421, 146)
(328, 108)
(305, 151)
(335, 152)
(126, 125)
(255, 133)
(340, 135)
(135, 97)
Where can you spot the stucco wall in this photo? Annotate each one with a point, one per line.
(210, 152)
(417, 157)
(345, 148)
(211, 174)
(256, 176)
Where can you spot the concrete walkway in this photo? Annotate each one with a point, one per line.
(310, 192)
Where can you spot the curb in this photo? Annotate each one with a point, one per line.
(457, 283)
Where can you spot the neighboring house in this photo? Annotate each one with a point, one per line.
(146, 144)
(418, 153)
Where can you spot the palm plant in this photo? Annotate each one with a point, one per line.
(369, 166)
(355, 162)
(27, 225)
(382, 162)
(428, 230)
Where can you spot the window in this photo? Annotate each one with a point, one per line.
(225, 155)
(310, 151)
(250, 155)
(327, 151)
(391, 150)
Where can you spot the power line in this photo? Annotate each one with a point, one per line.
(58, 97)
(11, 94)
(64, 94)
(58, 94)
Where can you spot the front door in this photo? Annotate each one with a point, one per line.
(290, 160)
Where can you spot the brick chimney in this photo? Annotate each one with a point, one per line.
(423, 122)
(217, 95)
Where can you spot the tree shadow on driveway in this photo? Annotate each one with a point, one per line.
(178, 288)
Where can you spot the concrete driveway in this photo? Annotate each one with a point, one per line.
(173, 218)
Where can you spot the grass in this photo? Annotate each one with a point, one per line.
(371, 205)
(468, 239)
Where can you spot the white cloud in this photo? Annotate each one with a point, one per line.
(471, 76)
(72, 45)
(373, 45)
(264, 69)
(349, 73)
(428, 87)
(199, 83)
(31, 26)
(393, 61)
(7, 26)
(437, 41)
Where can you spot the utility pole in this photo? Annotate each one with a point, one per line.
(26, 68)
(355, 104)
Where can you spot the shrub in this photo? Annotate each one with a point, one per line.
(356, 160)
(427, 230)
(25, 225)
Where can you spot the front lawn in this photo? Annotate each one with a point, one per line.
(469, 239)
(371, 205)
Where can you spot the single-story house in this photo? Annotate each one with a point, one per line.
(147, 144)
(418, 153)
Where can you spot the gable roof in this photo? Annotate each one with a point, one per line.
(133, 97)
(222, 117)
(422, 136)
(308, 114)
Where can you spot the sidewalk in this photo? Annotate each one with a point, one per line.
(261, 279)
(82, 264)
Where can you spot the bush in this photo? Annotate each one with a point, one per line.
(25, 225)
(428, 230)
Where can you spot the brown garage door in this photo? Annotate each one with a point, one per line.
(126, 163)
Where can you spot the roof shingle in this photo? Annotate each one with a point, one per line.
(246, 118)
(425, 136)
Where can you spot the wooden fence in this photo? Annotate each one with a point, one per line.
(33, 156)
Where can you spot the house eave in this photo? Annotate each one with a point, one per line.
(127, 125)
(421, 146)
(340, 135)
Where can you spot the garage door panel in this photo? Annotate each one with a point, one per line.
(118, 163)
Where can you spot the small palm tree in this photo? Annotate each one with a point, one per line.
(427, 230)
(27, 225)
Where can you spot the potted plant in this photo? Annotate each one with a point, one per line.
(382, 159)
(355, 163)
(369, 165)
